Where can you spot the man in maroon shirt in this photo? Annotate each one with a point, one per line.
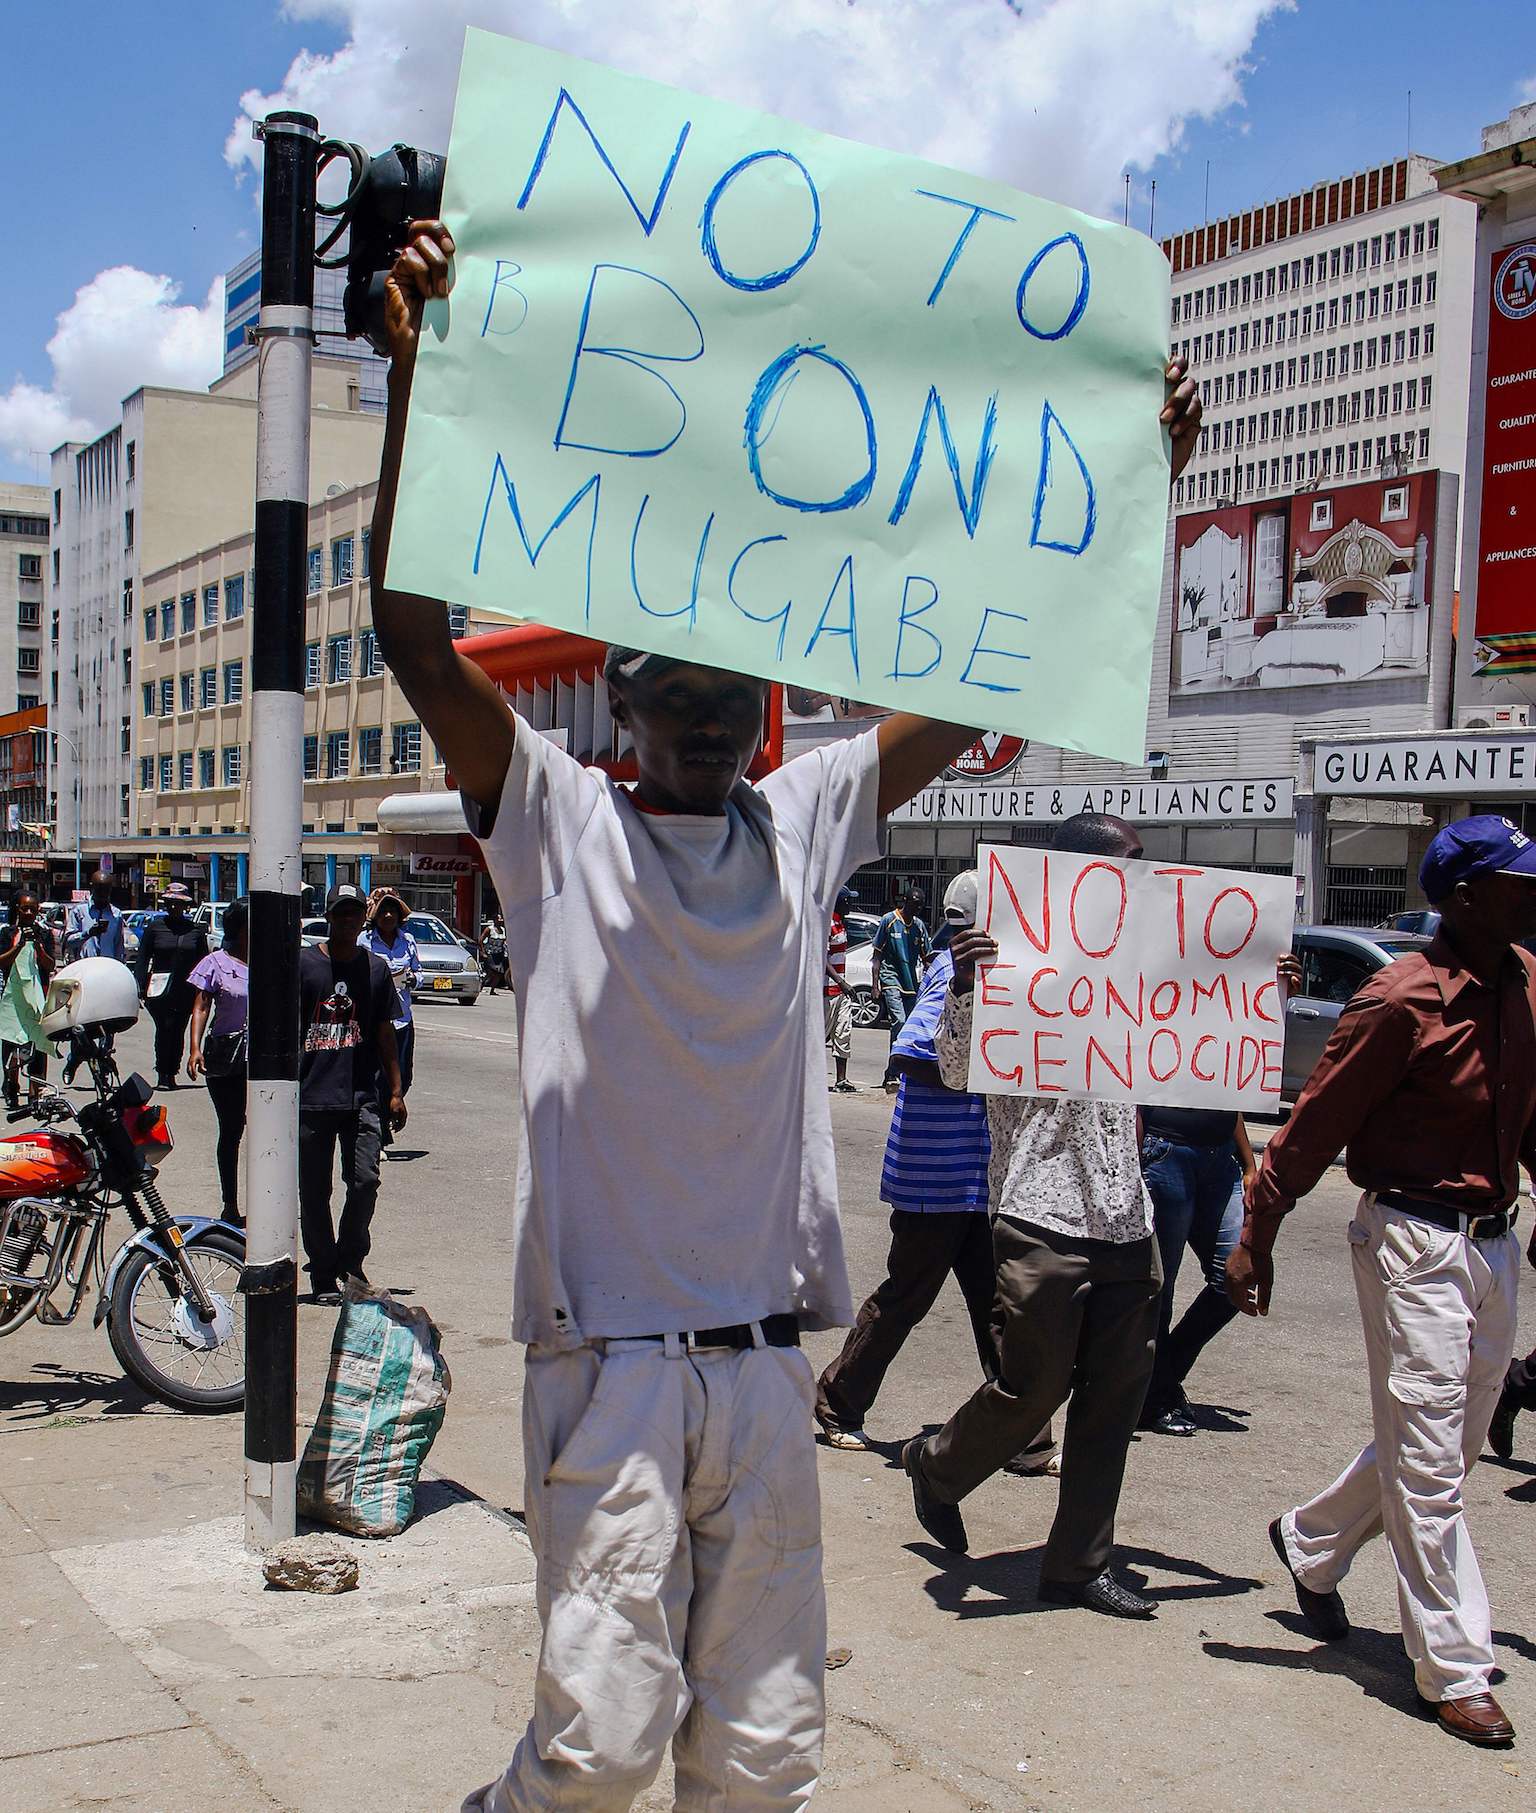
(1429, 1081)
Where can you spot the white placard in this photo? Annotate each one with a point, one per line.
(1141, 982)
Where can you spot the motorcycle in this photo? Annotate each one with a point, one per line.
(170, 1295)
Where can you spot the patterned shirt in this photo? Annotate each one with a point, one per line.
(1070, 1166)
(837, 955)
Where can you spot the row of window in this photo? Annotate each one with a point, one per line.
(1300, 324)
(165, 619)
(1235, 481)
(1332, 266)
(1321, 367)
(198, 693)
(175, 772)
(24, 525)
(1298, 418)
(341, 562)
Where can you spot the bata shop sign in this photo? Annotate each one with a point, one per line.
(442, 866)
(1460, 767)
(1143, 802)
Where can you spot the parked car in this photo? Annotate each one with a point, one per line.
(449, 971)
(860, 970)
(1423, 920)
(133, 928)
(210, 916)
(1335, 960)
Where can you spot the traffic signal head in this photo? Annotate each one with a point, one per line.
(387, 193)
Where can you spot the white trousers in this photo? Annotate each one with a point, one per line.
(1439, 1316)
(673, 1507)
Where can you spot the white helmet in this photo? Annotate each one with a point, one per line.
(94, 993)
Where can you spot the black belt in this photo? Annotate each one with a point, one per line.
(778, 1331)
(1442, 1215)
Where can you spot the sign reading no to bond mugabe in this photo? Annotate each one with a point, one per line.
(719, 386)
(1141, 982)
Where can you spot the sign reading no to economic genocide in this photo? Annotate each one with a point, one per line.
(1143, 982)
(722, 387)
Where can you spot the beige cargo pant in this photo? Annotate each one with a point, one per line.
(1439, 1317)
(672, 1504)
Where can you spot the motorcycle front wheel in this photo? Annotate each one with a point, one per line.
(158, 1338)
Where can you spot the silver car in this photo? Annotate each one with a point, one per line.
(1335, 960)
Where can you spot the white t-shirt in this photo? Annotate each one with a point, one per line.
(677, 1168)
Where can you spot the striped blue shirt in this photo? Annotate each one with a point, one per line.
(936, 1157)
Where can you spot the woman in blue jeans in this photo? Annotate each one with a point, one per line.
(1196, 1162)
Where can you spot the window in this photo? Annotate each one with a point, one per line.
(369, 661)
(1413, 393)
(313, 573)
(127, 665)
(338, 659)
(57, 496)
(458, 614)
(1424, 391)
(1330, 975)
(1431, 283)
(210, 605)
(405, 745)
(147, 693)
(167, 619)
(341, 560)
(133, 460)
(311, 758)
(1434, 241)
(1394, 503)
(167, 695)
(208, 688)
(234, 682)
(370, 750)
(234, 597)
(233, 762)
(29, 614)
(1423, 443)
(311, 666)
(146, 773)
(127, 529)
(29, 661)
(1322, 514)
(1429, 342)
(367, 566)
(188, 612)
(184, 769)
(205, 767)
(150, 619)
(186, 691)
(165, 774)
(337, 754)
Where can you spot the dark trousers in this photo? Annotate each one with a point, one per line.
(1197, 1201)
(227, 1093)
(16, 1058)
(1520, 1381)
(925, 1250)
(332, 1252)
(170, 1012)
(1072, 1316)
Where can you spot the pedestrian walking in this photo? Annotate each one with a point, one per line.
(26, 963)
(1518, 1393)
(1078, 1282)
(1428, 1084)
(349, 1080)
(676, 1208)
(901, 947)
(170, 948)
(93, 927)
(839, 995)
(385, 935)
(1196, 1162)
(935, 1180)
(218, 1046)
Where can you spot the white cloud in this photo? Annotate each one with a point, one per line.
(1528, 89)
(1057, 96)
(123, 329)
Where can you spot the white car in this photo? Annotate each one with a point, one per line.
(210, 916)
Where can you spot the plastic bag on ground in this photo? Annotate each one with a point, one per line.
(385, 1398)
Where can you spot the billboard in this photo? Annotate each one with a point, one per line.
(1506, 552)
(1318, 589)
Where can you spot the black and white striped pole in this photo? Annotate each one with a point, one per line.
(285, 333)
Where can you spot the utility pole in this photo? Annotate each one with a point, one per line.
(285, 335)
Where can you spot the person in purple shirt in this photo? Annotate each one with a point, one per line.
(218, 1046)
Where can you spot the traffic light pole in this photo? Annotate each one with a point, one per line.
(285, 333)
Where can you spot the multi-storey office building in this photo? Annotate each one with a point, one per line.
(362, 741)
(23, 557)
(177, 473)
(242, 304)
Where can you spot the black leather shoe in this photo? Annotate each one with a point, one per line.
(1501, 1431)
(1172, 1421)
(1101, 1594)
(1324, 1613)
(942, 1522)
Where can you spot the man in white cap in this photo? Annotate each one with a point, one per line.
(1429, 1082)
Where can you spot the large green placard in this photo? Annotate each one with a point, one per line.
(714, 384)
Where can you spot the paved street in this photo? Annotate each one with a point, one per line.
(132, 1683)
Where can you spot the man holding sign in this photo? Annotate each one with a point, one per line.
(676, 1220)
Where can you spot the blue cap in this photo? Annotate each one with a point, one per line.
(1485, 845)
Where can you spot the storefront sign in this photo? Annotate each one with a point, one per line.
(443, 865)
(1133, 982)
(1414, 768)
(1506, 554)
(1143, 802)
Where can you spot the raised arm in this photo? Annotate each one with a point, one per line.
(463, 712)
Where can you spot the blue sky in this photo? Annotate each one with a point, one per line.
(124, 110)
